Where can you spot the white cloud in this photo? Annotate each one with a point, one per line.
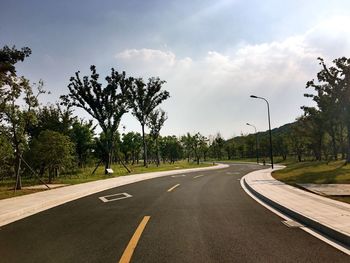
(148, 57)
(215, 89)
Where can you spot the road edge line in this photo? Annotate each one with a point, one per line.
(286, 216)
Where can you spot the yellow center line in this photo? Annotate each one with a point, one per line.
(198, 176)
(172, 188)
(126, 257)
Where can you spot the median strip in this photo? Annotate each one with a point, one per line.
(172, 188)
(126, 257)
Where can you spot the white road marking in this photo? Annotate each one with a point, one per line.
(118, 196)
(179, 175)
(172, 188)
(233, 173)
(325, 239)
(197, 176)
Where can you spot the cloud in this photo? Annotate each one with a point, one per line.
(215, 88)
(148, 58)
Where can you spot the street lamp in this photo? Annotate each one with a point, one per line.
(256, 143)
(268, 114)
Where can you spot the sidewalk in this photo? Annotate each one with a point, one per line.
(16, 208)
(328, 216)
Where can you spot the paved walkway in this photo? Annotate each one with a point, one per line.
(16, 208)
(325, 215)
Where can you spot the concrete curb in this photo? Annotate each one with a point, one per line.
(16, 208)
(307, 221)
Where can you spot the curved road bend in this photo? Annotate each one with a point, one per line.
(206, 218)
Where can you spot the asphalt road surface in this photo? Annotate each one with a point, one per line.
(200, 217)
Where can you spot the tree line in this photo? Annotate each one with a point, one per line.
(48, 140)
(44, 141)
(321, 133)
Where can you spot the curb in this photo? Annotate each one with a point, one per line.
(326, 230)
(40, 203)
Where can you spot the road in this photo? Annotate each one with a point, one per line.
(199, 217)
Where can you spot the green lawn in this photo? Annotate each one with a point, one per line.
(84, 175)
(316, 173)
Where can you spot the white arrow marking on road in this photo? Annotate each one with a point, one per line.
(109, 198)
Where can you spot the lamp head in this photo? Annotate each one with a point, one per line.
(253, 96)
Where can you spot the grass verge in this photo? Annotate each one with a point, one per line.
(84, 176)
(315, 173)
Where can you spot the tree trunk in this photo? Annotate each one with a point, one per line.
(50, 175)
(133, 158)
(18, 170)
(341, 141)
(334, 144)
(144, 146)
(348, 156)
(299, 158)
(157, 149)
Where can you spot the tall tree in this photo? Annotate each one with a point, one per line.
(187, 144)
(143, 99)
(199, 145)
(333, 98)
(16, 115)
(106, 104)
(217, 146)
(155, 122)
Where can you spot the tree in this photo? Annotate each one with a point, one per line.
(217, 146)
(187, 144)
(230, 149)
(143, 99)
(6, 154)
(54, 118)
(106, 104)
(170, 149)
(155, 122)
(333, 100)
(52, 151)
(8, 58)
(131, 146)
(82, 134)
(15, 116)
(199, 144)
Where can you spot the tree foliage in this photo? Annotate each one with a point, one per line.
(52, 151)
(155, 122)
(143, 98)
(106, 104)
(17, 104)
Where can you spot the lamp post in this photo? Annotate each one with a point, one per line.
(268, 114)
(256, 142)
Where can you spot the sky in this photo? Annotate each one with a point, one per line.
(212, 54)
